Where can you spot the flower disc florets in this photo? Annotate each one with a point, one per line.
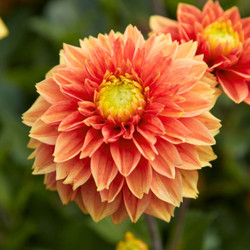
(122, 125)
(120, 97)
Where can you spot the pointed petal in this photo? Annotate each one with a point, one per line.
(206, 154)
(135, 207)
(125, 155)
(234, 86)
(71, 122)
(114, 189)
(189, 183)
(57, 112)
(93, 204)
(93, 140)
(65, 192)
(160, 209)
(103, 167)
(38, 108)
(68, 145)
(139, 181)
(120, 215)
(200, 134)
(168, 190)
(168, 158)
(44, 132)
(44, 163)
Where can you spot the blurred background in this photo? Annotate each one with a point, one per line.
(34, 218)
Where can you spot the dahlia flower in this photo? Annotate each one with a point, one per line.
(224, 39)
(122, 125)
(3, 29)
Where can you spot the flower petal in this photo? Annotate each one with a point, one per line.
(139, 180)
(103, 167)
(125, 155)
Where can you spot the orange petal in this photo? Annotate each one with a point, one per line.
(189, 183)
(44, 160)
(120, 215)
(200, 134)
(93, 204)
(44, 132)
(50, 91)
(234, 86)
(206, 155)
(38, 108)
(168, 158)
(71, 122)
(103, 167)
(57, 112)
(65, 192)
(135, 207)
(160, 209)
(93, 140)
(145, 148)
(168, 190)
(164, 25)
(139, 180)
(189, 156)
(125, 155)
(68, 145)
(78, 200)
(78, 172)
(113, 190)
(50, 181)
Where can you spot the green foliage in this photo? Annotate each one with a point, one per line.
(33, 218)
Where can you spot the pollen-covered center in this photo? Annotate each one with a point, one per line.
(224, 34)
(120, 97)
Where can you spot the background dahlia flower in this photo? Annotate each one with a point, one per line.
(224, 39)
(122, 125)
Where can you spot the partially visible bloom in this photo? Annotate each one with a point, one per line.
(131, 243)
(3, 29)
(224, 39)
(122, 125)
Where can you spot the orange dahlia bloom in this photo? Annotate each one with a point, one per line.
(224, 39)
(122, 125)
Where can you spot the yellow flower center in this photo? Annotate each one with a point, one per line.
(120, 97)
(224, 34)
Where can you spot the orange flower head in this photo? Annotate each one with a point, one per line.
(122, 125)
(224, 39)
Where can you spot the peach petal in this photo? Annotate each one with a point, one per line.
(93, 140)
(120, 214)
(139, 180)
(57, 112)
(71, 122)
(125, 155)
(200, 134)
(111, 134)
(160, 209)
(166, 189)
(144, 147)
(86, 108)
(36, 111)
(44, 163)
(50, 91)
(65, 192)
(135, 207)
(206, 155)
(93, 204)
(167, 160)
(234, 86)
(44, 133)
(68, 145)
(114, 189)
(189, 183)
(50, 181)
(189, 157)
(103, 168)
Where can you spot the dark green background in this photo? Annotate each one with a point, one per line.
(33, 218)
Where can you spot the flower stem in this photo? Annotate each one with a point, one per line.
(179, 226)
(154, 233)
